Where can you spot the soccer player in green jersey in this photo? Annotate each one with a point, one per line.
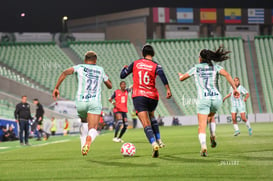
(88, 98)
(238, 106)
(206, 75)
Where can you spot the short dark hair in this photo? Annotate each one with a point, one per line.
(148, 50)
(36, 99)
(90, 56)
(122, 82)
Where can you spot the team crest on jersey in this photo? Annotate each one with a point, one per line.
(144, 66)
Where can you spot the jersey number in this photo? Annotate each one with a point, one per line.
(92, 85)
(146, 78)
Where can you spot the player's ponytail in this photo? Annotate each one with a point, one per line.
(218, 56)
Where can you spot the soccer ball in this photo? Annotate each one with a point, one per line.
(128, 149)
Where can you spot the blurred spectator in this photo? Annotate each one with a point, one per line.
(8, 134)
(22, 115)
(160, 120)
(134, 117)
(37, 125)
(12, 135)
(5, 134)
(53, 126)
(175, 122)
(66, 127)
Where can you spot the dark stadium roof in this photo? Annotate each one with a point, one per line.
(46, 15)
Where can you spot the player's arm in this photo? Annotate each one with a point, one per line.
(227, 96)
(224, 73)
(111, 99)
(126, 70)
(16, 112)
(161, 74)
(56, 92)
(247, 96)
(108, 84)
(183, 77)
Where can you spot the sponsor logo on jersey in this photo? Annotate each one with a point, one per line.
(144, 66)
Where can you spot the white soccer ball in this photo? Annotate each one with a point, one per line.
(128, 149)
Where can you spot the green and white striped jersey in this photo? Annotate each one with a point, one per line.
(90, 77)
(240, 101)
(206, 80)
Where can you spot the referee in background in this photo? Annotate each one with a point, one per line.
(22, 115)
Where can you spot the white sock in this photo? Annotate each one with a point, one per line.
(93, 133)
(236, 127)
(212, 128)
(83, 133)
(202, 139)
(248, 124)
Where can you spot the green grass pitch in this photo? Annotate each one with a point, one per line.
(59, 158)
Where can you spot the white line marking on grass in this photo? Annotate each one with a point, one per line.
(60, 141)
(2, 148)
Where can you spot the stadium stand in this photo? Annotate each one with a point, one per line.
(6, 109)
(41, 62)
(180, 55)
(112, 55)
(16, 77)
(264, 49)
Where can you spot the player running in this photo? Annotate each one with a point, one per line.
(209, 101)
(121, 97)
(238, 106)
(145, 95)
(88, 99)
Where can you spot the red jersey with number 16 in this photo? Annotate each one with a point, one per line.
(144, 76)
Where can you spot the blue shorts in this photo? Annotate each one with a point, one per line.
(142, 103)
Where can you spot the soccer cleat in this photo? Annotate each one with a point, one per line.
(236, 133)
(120, 140)
(213, 143)
(161, 144)
(155, 151)
(204, 152)
(86, 146)
(250, 131)
(116, 140)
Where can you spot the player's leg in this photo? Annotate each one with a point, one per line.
(202, 122)
(21, 131)
(141, 106)
(235, 125)
(125, 125)
(26, 127)
(203, 110)
(93, 121)
(243, 116)
(82, 113)
(117, 126)
(212, 128)
(83, 130)
(155, 128)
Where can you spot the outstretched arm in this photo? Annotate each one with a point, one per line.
(224, 73)
(56, 92)
(126, 70)
(226, 97)
(183, 77)
(108, 84)
(164, 80)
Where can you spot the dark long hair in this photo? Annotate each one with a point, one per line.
(217, 56)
